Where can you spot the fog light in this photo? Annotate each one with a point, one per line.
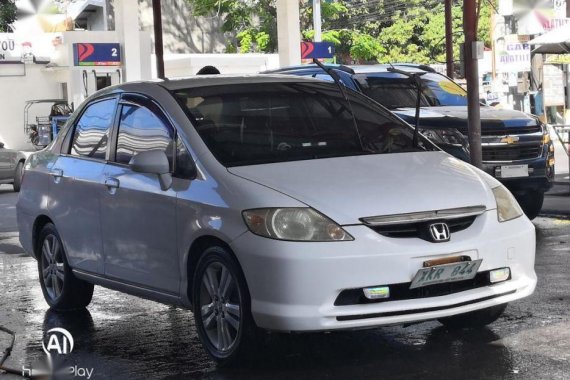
(551, 162)
(499, 275)
(377, 292)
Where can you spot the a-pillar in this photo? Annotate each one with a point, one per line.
(288, 32)
(135, 44)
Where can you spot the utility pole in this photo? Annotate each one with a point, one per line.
(472, 78)
(158, 47)
(449, 38)
(317, 20)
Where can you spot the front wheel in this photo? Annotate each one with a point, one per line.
(61, 289)
(222, 307)
(477, 318)
(531, 203)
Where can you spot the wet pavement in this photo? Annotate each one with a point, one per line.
(121, 336)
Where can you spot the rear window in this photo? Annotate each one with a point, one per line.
(277, 122)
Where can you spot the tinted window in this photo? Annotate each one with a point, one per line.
(141, 130)
(398, 91)
(91, 133)
(273, 122)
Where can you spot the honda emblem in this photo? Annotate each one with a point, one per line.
(439, 232)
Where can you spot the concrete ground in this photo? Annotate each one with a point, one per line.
(120, 336)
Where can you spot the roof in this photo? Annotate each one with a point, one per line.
(222, 80)
(358, 69)
(556, 41)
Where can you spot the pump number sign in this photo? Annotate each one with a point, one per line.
(97, 54)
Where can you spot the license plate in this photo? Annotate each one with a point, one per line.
(465, 270)
(510, 171)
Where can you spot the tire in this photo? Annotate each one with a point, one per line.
(62, 290)
(18, 176)
(531, 203)
(223, 318)
(478, 318)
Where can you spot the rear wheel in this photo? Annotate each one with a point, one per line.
(222, 307)
(61, 289)
(18, 176)
(531, 202)
(478, 318)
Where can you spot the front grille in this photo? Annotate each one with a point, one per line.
(411, 230)
(501, 131)
(511, 152)
(510, 131)
(402, 291)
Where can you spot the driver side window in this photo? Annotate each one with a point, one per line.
(141, 130)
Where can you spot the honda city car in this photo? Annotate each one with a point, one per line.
(268, 203)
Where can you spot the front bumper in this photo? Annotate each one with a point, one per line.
(540, 176)
(294, 285)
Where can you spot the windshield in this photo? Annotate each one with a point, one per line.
(394, 90)
(276, 122)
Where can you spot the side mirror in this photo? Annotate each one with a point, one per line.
(153, 162)
(1, 145)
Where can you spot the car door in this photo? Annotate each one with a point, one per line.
(6, 162)
(77, 181)
(138, 219)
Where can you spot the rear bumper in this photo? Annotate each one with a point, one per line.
(293, 286)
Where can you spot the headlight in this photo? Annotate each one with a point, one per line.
(296, 224)
(449, 136)
(507, 206)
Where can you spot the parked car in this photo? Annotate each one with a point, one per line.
(268, 203)
(11, 166)
(516, 146)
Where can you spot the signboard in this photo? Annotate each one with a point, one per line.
(560, 59)
(10, 50)
(98, 54)
(513, 56)
(317, 50)
(553, 85)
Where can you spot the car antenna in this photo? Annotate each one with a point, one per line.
(416, 77)
(342, 89)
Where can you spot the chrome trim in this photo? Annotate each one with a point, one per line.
(424, 216)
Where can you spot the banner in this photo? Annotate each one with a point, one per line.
(512, 54)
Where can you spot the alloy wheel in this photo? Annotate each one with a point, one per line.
(52, 266)
(220, 306)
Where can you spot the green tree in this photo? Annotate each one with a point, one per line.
(362, 30)
(7, 14)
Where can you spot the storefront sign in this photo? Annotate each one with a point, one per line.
(560, 59)
(512, 57)
(553, 85)
(10, 50)
(97, 54)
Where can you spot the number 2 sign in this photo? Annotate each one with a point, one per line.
(97, 54)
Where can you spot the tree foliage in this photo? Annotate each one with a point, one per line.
(362, 30)
(7, 14)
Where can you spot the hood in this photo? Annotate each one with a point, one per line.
(456, 116)
(349, 188)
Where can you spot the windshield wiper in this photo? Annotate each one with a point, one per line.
(342, 89)
(417, 79)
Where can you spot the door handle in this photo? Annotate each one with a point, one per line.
(112, 183)
(56, 173)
